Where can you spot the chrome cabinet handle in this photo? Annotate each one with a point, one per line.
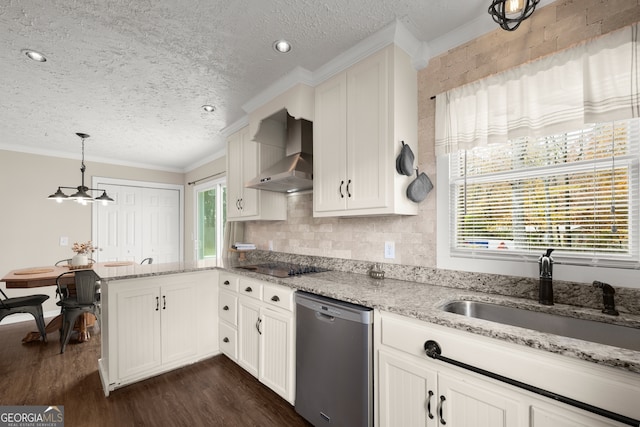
(258, 323)
(225, 308)
(440, 407)
(248, 289)
(157, 303)
(348, 192)
(429, 405)
(340, 189)
(275, 298)
(164, 302)
(225, 339)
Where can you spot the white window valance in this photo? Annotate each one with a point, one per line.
(593, 82)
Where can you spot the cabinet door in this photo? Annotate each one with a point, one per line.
(368, 144)
(407, 393)
(557, 415)
(179, 305)
(276, 356)
(248, 336)
(476, 403)
(329, 149)
(234, 175)
(138, 331)
(250, 169)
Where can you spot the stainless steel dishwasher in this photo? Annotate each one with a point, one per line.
(334, 362)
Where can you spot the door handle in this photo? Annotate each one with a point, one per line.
(440, 408)
(226, 283)
(340, 189)
(429, 405)
(164, 302)
(275, 298)
(258, 325)
(348, 192)
(157, 303)
(248, 289)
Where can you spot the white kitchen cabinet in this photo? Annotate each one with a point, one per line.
(265, 331)
(153, 324)
(414, 395)
(245, 159)
(413, 389)
(361, 117)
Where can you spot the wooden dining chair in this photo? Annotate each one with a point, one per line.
(31, 304)
(84, 297)
(147, 261)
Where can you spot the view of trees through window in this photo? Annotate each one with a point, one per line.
(212, 216)
(576, 192)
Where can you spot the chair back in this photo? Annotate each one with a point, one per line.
(86, 286)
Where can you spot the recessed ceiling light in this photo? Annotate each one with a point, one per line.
(209, 108)
(36, 56)
(282, 46)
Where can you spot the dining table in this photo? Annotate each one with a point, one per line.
(35, 277)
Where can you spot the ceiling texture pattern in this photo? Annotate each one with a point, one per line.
(135, 74)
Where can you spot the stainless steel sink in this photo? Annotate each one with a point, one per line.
(587, 330)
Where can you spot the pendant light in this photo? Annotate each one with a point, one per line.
(81, 195)
(509, 14)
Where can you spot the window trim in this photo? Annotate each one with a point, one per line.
(213, 184)
(512, 265)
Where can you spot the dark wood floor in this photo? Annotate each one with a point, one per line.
(215, 392)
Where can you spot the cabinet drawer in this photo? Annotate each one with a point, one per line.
(279, 296)
(228, 307)
(229, 282)
(250, 288)
(228, 340)
(403, 336)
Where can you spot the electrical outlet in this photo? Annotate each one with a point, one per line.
(64, 241)
(389, 250)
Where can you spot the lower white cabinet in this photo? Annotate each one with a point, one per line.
(413, 389)
(264, 331)
(154, 324)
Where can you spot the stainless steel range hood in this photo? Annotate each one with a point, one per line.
(294, 172)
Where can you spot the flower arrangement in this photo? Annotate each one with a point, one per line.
(83, 248)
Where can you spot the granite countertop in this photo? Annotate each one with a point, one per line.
(417, 297)
(424, 301)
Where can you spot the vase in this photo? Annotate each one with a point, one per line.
(80, 259)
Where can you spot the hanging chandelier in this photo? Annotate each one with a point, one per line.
(81, 195)
(509, 14)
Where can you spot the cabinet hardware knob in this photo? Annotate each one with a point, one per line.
(226, 282)
(248, 289)
(429, 405)
(225, 339)
(440, 408)
(275, 298)
(225, 308)
(340, 189)
(348, 192)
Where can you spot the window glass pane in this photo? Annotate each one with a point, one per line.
(576, 192)
(207, 223)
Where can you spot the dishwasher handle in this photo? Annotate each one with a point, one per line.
(325, 317)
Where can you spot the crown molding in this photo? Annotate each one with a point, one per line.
(218, 154)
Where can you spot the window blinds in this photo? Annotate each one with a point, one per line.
(574, 191)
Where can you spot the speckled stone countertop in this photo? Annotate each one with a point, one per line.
(134, 271)
(415, 297)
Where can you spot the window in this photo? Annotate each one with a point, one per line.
(211, 216)
(576, 192)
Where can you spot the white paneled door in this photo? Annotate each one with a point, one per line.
(144, 221)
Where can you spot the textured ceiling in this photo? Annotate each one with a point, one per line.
(134, 74)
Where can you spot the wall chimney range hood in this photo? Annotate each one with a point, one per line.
(294, 172)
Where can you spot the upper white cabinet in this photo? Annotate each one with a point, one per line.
(361, 117)
(245, 159)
